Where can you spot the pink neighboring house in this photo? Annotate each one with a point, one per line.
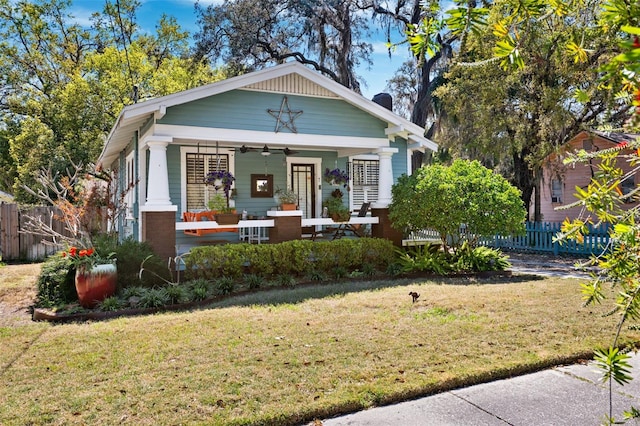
(559, 182)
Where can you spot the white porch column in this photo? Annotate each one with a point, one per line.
(385, 178)
(158, 183)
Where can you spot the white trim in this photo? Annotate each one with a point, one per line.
(409, 154)
(367, 157)
(317, 185)
(328, 142)
(423, 142)
(183, 167)
(284, 213)
(317, 221)
(211, 224)
(155, 138)
(142, 183)
(171, 208)
(363, 157)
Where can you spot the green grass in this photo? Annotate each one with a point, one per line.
(292, 355)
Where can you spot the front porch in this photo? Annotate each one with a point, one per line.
(278, 226)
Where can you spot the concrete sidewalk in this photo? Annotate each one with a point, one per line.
(570, 395)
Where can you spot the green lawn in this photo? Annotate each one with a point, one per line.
(290, 356)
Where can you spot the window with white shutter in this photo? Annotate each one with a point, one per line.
(197, 168)
(364, 182)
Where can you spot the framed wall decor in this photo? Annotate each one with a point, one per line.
(261, 186)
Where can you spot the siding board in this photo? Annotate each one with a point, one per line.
(246, 110)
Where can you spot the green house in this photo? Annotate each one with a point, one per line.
(283, 127)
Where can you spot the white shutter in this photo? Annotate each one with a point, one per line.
(198, 165)
(364, 182)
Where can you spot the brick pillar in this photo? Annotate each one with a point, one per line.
(286, 228)
(159, 230)
(384, 229)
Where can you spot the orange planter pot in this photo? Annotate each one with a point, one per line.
(287, 206)
(96, 284)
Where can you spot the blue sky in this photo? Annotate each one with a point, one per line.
(150, 11)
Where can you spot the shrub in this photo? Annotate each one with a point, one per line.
(378, 252)
(178, 294)
(212, 262)
(339, 272)
(293, 257)
(480, 259)
(444, 198)
(286, 280)
(296, 258)
(111, 303)
(129, 255)
(253, 281)
(425, 260)
(56, 282)
(225, 285)
(259, 259)
(134, 291)
(316, 275)
(368, 270)
(394, 269)
(154, 298)
(200, 288)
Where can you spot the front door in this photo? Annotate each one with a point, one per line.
(303, 178)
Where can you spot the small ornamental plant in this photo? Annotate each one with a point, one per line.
(336, 209)
(218, 204)
(336, 177)
(287, 196)
(85, 259)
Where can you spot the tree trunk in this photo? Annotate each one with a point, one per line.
(422, 106)
(524, 179)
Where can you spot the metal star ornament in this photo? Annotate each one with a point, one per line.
(285, 116)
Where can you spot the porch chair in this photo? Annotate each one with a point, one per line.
(358, 229)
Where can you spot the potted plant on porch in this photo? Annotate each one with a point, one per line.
(337, 210)
(287, 199)
(223, 179)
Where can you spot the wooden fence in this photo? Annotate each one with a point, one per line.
(16, 245)
(540, 238)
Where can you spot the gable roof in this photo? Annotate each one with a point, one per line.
(613, 141)
(291, 78)
(617, 137)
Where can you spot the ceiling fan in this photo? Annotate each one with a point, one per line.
(265, 151)
(288, 151)
(244, 149)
